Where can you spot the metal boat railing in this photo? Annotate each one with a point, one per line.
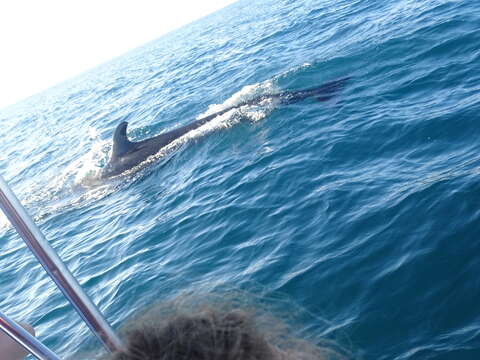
(23, 337)
(57, 270)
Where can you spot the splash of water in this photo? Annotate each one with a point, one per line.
(247, 93)
(80, 182)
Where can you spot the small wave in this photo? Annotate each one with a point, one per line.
(247, 93)
(293, 71)
(4, 223)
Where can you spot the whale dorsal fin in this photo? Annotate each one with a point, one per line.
(121, 144)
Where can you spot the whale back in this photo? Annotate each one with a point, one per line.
(127, 154)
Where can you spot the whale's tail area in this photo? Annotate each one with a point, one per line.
(322, 93)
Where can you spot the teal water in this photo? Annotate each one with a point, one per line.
(363, 210)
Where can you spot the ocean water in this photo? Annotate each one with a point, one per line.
(363, 210)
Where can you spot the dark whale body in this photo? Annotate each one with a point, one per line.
(127, 154)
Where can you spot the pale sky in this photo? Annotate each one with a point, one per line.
(44, 42)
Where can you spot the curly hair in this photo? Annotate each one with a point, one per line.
(207, 336)
(215, 331)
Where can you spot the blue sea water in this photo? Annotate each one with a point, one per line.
(363, 210)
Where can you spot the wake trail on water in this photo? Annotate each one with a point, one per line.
(80, 183)
(77, 185)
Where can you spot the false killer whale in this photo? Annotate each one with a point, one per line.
(127, 154)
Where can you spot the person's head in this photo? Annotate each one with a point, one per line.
(206, 336)
(214, 332)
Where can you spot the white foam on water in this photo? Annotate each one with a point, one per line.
(77, 184)
(80, 182)
(294, 70)
(247, 93)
